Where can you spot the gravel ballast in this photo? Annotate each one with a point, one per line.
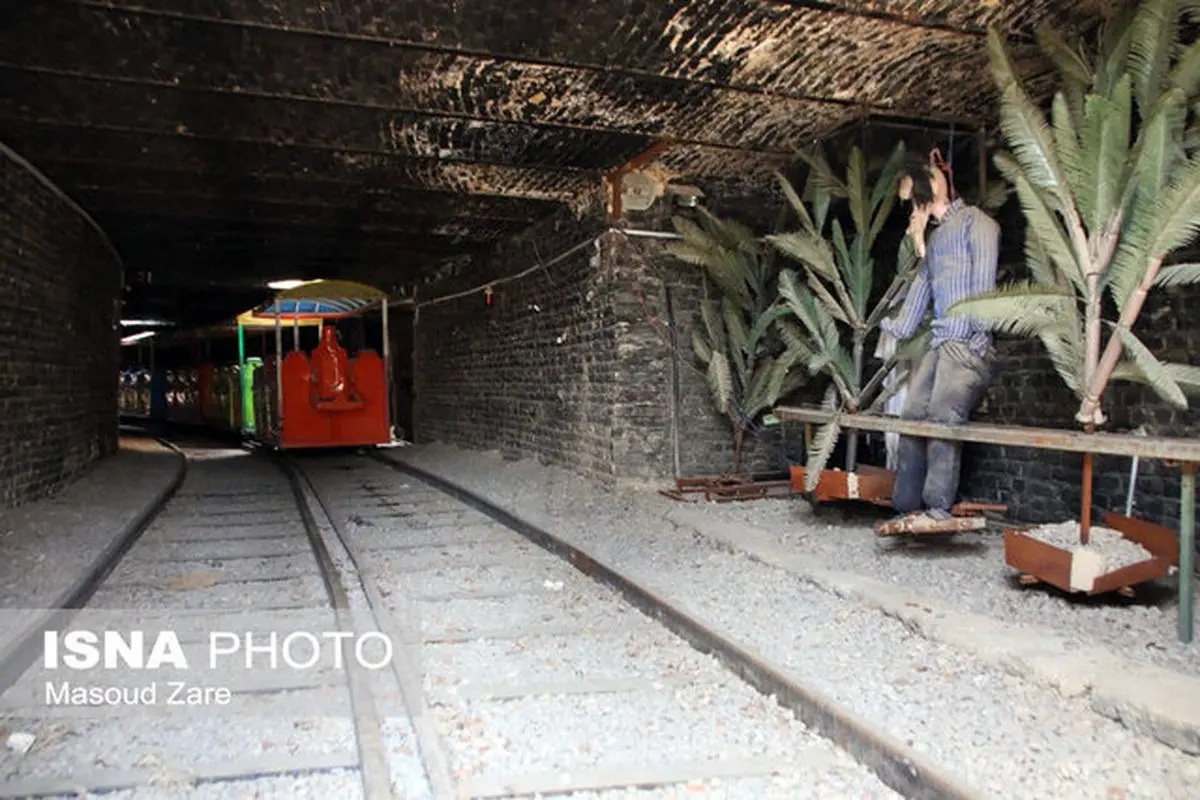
(1114, 549)
(1007, 736)
(290, 717)
(565, 681)
(966, 573)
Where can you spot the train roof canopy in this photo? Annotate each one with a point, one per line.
(311, 302)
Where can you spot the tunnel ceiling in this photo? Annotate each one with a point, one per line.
(225, 143)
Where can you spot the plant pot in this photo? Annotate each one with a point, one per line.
(1041, 562)
(868, 484)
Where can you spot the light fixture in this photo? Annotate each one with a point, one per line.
(146, 323)
(284, 285)
(137, 337)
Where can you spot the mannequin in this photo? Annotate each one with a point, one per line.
(957, 261)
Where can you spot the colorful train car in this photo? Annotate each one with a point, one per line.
(323, 397)
(310, 394)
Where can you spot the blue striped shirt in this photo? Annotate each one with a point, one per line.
(960, 262)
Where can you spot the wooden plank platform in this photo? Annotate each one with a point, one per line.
(1113, 444)
(917, 525)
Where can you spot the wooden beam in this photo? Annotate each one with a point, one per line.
(1113, 444)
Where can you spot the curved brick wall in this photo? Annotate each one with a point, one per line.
(60, 281)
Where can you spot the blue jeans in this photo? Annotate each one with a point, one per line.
(946, 386)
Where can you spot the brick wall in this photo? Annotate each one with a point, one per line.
(59, 352)
(533, 374)
(680, 427)
(572, 363)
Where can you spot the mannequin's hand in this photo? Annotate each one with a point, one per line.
(916, 229)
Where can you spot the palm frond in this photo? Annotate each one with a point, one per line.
(1149, 169)
(883, 194)
(823, 444)
(856, 191)
(1105, 147)
(1070, 153)
(720, 381)
(720, 263)
(735, 327)
(1185, 75)
(1066, 354)
(1152, 35)
(1024, 309)
(1026, 130)
(996, 197)
(756, 392)
(1073, 67)
(702, 349)
(713, 324)
(855, 285)
(1043, 223)
(804, 307)
(831, 304)
(796, 203)
(779, 370)
(811, 251)
(1153, 370)
(764, 324)
(821, 176)
(794, 339)
(1174, 222)
(1114, 48)
(1185, 375)
(1178, 275)
(727, 233)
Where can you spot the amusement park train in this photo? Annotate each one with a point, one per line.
(329, 396)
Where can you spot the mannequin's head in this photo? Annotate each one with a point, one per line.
(925, 185)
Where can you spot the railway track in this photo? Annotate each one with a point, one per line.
(519, 667)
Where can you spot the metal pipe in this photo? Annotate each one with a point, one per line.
(1187, 550)
(1133, 474)
(296, 331)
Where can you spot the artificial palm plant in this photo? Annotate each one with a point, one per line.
(829, 310)
(1110, 188)
(748, 365)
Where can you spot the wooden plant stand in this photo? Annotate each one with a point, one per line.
(867, 484)
(1039, 562)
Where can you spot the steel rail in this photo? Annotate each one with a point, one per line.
(27, 647)
(373, 765)
(898, 766)
(437, 768)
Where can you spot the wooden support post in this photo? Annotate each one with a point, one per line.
(1187, 550)
(1085, 513)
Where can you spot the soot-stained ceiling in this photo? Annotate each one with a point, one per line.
(225, 143)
